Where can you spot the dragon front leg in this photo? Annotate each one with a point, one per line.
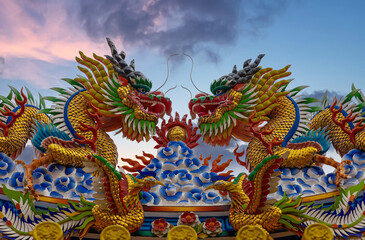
(28, 169)
(340, 167)
(304, 157)
(67, 156)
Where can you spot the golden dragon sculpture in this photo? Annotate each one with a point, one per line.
(116, 203)
(122, 207)
(112, 96)
(249, 204)
(73, 132)
(255, 106)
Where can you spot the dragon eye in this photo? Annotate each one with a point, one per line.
(151, 179)
(218, 183)
(219, 92)
(141, 90)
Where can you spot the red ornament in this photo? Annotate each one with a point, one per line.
(212, 224)
(188, 217)
(191, 132)
(160, 224)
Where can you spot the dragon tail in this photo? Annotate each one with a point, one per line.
(82, 212)
(346, 217)
(19, 216)
(291, 217)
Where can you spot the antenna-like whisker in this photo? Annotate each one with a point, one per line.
(191, 95)
(170, 89)
(191, 73)
(168, 71)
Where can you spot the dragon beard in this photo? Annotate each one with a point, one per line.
(138, 119)
(228, 114)
(223, 116)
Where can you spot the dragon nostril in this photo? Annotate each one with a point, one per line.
(158, 93)
(200, 95)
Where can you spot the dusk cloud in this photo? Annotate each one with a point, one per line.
(54, 31)
(43, 31)
(175, 26)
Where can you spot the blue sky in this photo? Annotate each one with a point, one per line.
(324, 41)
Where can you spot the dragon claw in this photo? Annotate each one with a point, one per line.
(340, 173)
(28, 169)
(30, 188)
(340, 167)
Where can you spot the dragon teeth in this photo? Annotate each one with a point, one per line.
(234, 121)
(239, 115)
(228, 121)
(127, 117)
(145, 127)
(210, 131)
(130, 122)
(221, 127)
(139, 127)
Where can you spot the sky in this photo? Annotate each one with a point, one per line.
(324, 41)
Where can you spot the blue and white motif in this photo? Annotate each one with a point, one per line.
(313, 180)
(54, 181)
(184, 176)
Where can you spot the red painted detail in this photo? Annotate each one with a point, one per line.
(191, 131)
(14, 116)
(123, 81)
(85, 128)
(260, 135)
(358, 127)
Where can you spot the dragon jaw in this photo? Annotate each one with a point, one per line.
(227, 113)
(141, 112)
(124, 105)
(221, 116)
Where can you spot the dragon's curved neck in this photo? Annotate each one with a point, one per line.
(76, 116)
(281, 121)
(340, 140)
(239, 200)
(132, 200)
(238, 217)
(19, 133)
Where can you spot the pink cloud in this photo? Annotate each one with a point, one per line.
(37, 39)
(44, 32)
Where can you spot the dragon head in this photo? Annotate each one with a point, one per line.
(235, 97)
(122, 95)
(147, 183)
(219, 185)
